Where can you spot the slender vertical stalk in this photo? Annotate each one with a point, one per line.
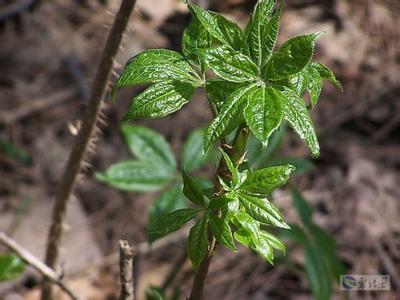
(237, 151)
(82, 141)
(126, 253)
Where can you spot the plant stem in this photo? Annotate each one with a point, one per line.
(201, 274)
(237, 151)
(83, 139)
(126, 254)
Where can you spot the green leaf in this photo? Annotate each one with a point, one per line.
(168, 201)
(260, 246)
(264, 8)
(156, 65)
(245, 222)
(291, 57)
(264, 112)
(295, 234)
(299, 81)
(231, 65)
(148, 145)
(11, 267)
(219, 27)
(218, 91)
(135, 176)
(192, 191)
(170, 222)
(262, 210)
(326, 246)
(222, 232)
(316, 273)
(192, 158)
(198, 242)
(219, 202)
(326, 73)
(273, 241)
(297, 115)
(263, 182)
(302, 207)
(229, 116)
(196, 39)
(243, 237)
(11, 150)
(314, 86)
(152, 293)
(231, 166)
(160, 100)
(261, 34)
(257, 155)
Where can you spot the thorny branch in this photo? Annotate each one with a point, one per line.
(83, 140)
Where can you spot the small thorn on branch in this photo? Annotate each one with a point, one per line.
(126, 254)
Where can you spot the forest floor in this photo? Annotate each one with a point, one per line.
(354, 187)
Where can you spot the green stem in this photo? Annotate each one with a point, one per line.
(238, 149)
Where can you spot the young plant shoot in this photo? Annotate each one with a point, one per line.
(252, 87)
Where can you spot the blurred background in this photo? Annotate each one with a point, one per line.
(48, 55)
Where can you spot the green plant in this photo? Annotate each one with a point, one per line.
(256, 89)
(156, 169)
(321, 263)
(11, 267)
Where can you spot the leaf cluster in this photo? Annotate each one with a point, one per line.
(258, 83)
(250, 83)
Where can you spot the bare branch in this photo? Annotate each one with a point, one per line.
(126, 253)
(34, 262)
(83, 139)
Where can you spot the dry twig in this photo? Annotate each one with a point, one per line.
(126, 253)
(83, 139)
(33, 261)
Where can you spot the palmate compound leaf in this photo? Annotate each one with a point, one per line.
(198, 241)
(229, 117)
(148, 145)
(264, 112)
(160, 100)
(296, 113)
(170, 222)
(231, 65)
(218, 26)
(291, 57)
(261, 33)
(136, 176)
(263, 182)
(262, 210)
(156, 65)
